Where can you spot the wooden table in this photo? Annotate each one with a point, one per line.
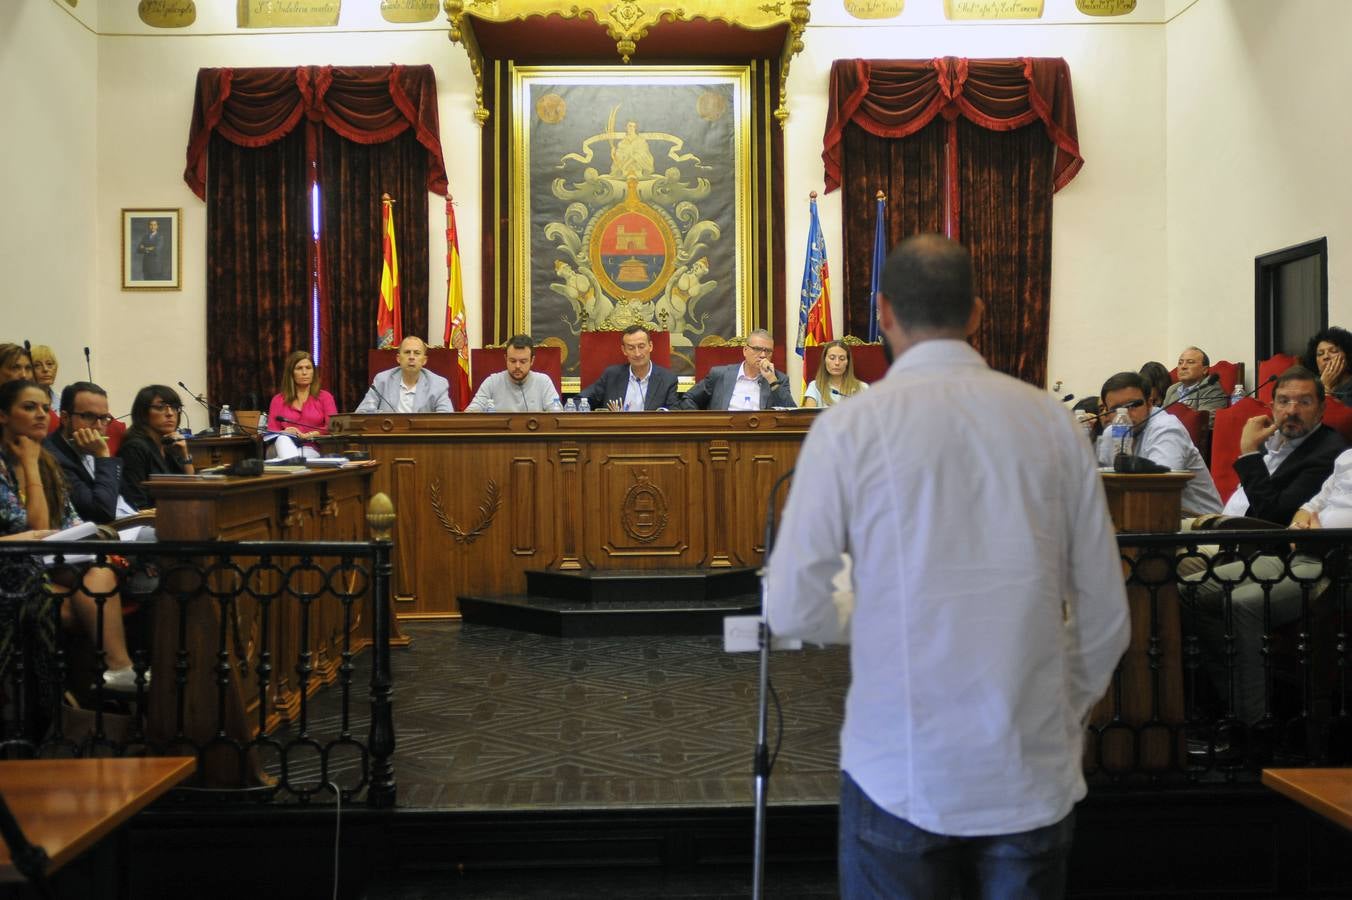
(480, 498)
(1326, 791)
(66, 806)
(222, 451)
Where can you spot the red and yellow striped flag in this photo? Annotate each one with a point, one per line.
(456, 335)
(389, 317)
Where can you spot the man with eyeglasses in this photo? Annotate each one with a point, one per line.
(81, 447)
(753, 384)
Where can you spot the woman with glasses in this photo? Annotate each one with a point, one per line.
(34, 501)
(153, 444)
(835, 377)
(44, 372)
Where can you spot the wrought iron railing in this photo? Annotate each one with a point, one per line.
(1239, 658)
(230, 643)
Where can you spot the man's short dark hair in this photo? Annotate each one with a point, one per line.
(78, 387)
(635, 329)
(520, 342)
(1123, 380)
(1295, 373)
(928, 281)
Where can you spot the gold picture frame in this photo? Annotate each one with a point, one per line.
(631, 203)
(152, 249)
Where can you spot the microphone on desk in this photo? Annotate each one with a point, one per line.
(380, 398)
(1067, 398)
(89, 369)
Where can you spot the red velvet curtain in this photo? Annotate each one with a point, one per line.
(251, 111)
(258, 247)
(353, 178)
(973, 148)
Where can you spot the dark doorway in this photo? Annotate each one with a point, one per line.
(1291, 298)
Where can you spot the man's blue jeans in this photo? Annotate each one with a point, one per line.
(884, 856)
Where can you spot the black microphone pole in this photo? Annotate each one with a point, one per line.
(762, 762)
(89, 369)
(380, 398)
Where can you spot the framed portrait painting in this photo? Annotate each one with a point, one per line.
(152, 250)
(631, 204)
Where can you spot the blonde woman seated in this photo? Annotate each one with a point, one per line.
(44, 372)
(34, 499)
(301, 411)
(835, 377)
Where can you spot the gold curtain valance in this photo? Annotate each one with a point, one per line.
(596, 30)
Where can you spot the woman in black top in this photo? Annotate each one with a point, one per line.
(153, 444)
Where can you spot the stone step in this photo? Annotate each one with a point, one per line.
(603, 618)
(643, 586)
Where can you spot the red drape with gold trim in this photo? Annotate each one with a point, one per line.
(960, 176)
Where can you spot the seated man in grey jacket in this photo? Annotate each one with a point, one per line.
(408, 388)
(516, 388)
(1197, 386)
(753, 384)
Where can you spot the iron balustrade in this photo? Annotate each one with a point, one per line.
(243, 600)
(1239, 658)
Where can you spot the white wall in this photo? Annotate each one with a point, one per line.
(1257, 142)
(48, 63)
(1108, 223)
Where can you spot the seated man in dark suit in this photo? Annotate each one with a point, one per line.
(93, 475)
(639, 384)
(1284, 458)
(753, 384)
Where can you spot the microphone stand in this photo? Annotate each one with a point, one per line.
(762, 763)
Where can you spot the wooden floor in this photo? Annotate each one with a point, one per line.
(494, 720)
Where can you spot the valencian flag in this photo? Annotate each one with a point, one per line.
(814, 309)
(389, 320)
(456, 333)
(879, 255)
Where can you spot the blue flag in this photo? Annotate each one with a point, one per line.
(814, 306)
(879, 255)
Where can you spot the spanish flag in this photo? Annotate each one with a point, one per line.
(456, 334)
(814, 308)
(389, 319)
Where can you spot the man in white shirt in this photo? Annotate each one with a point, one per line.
(516, 388)
(636, 385)
(93, 475)
(408, 388)
(989, 607)
(1160, 438)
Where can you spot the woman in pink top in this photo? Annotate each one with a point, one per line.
(301, 411)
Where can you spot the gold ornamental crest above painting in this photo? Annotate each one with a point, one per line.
(631, 204)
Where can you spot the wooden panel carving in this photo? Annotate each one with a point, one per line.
(407, 511)
(643, 506)
(716, 503)
(570, 522)
(525, 506)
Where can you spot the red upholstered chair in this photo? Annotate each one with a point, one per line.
(870, 364)
(440, 360)
(1338, 416)
(1197, 423)
(1275, 365)
(116, 430)
(1229, 424)
(599, 350)
(709, 355)
(484, 361)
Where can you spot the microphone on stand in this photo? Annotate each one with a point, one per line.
(1067, 398)
(380, 398)
(214, 410)
(89, 369)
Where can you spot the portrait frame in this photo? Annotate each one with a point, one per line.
(152, 254)
(692, 124)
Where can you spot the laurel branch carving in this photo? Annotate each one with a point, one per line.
(488, 509)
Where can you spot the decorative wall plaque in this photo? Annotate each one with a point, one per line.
(408, 12)
(1105, 7)
(962, 10)
(287, 13)
(875, 9)
(167, 13)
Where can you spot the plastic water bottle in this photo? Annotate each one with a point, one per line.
(583, 405)
(262, 422)
(555, 405)
(1120, 433)
(227, 421)
(570, 406)
(1237, 394)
